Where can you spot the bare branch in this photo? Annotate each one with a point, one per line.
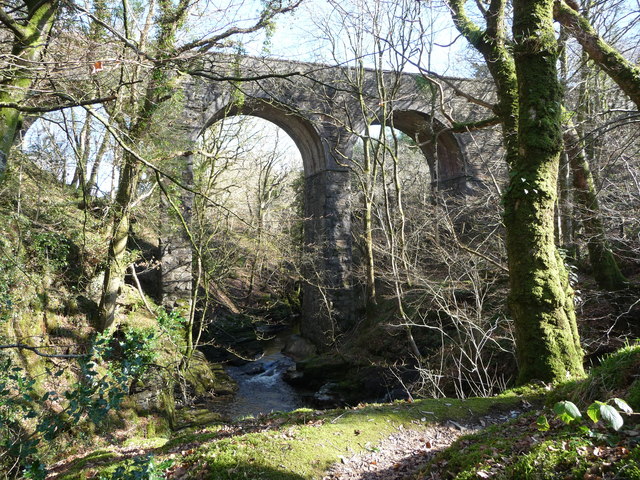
(22, 346)
(213, 41)
(55, 108)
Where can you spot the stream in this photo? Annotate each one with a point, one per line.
(261, 387)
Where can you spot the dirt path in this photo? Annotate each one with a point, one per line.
(407, 451)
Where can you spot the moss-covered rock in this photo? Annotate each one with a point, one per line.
(204, 377)
(153, 394)
(192, 417)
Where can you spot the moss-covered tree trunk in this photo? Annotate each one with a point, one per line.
(492, 45)
(540, 299)
(603, 263)
(30, 35)
(117, 262)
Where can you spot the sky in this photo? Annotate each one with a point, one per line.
(304, 35)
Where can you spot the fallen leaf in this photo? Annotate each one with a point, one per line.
(582, 451)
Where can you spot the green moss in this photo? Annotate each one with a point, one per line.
(77, 471)
(518, 450)
(306, 444)
(629, 468)
(145, 442)
(616, 376)
(300, 444)
(530, 390)
(471, 454)
(551, 460)
(190, 417)
(205, 378)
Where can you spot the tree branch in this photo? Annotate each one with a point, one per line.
(55, 108)
(624, 73)
(463, 127)
(267, 14)
(229, 78)
(22, 346)
(17, 29)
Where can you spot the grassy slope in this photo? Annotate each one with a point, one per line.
(299, 445)
(520, 450)
(303, 444)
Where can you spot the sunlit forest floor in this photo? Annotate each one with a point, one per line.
(520, 434)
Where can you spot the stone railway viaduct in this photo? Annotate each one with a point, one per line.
(324, 108)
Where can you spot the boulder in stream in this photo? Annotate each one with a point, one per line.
(299, 348)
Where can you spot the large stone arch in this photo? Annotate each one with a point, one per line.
(327, 291)
(301, 131)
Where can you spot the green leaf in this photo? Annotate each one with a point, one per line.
(622, 405)
(611, 416)
(585, 430)
(543, 423)
(594, 411)
(567, 411)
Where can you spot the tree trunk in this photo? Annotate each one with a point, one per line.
(540, 299)
(92, 185)
(144, 110)
(29, 40)
(565, 207)
(491, 44)
(116, 258)
(368, 183)
(604, 266)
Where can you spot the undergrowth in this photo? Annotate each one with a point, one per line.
(525, 449)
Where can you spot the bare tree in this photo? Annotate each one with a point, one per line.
(164, 50)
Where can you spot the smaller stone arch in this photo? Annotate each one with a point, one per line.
(449, 169)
